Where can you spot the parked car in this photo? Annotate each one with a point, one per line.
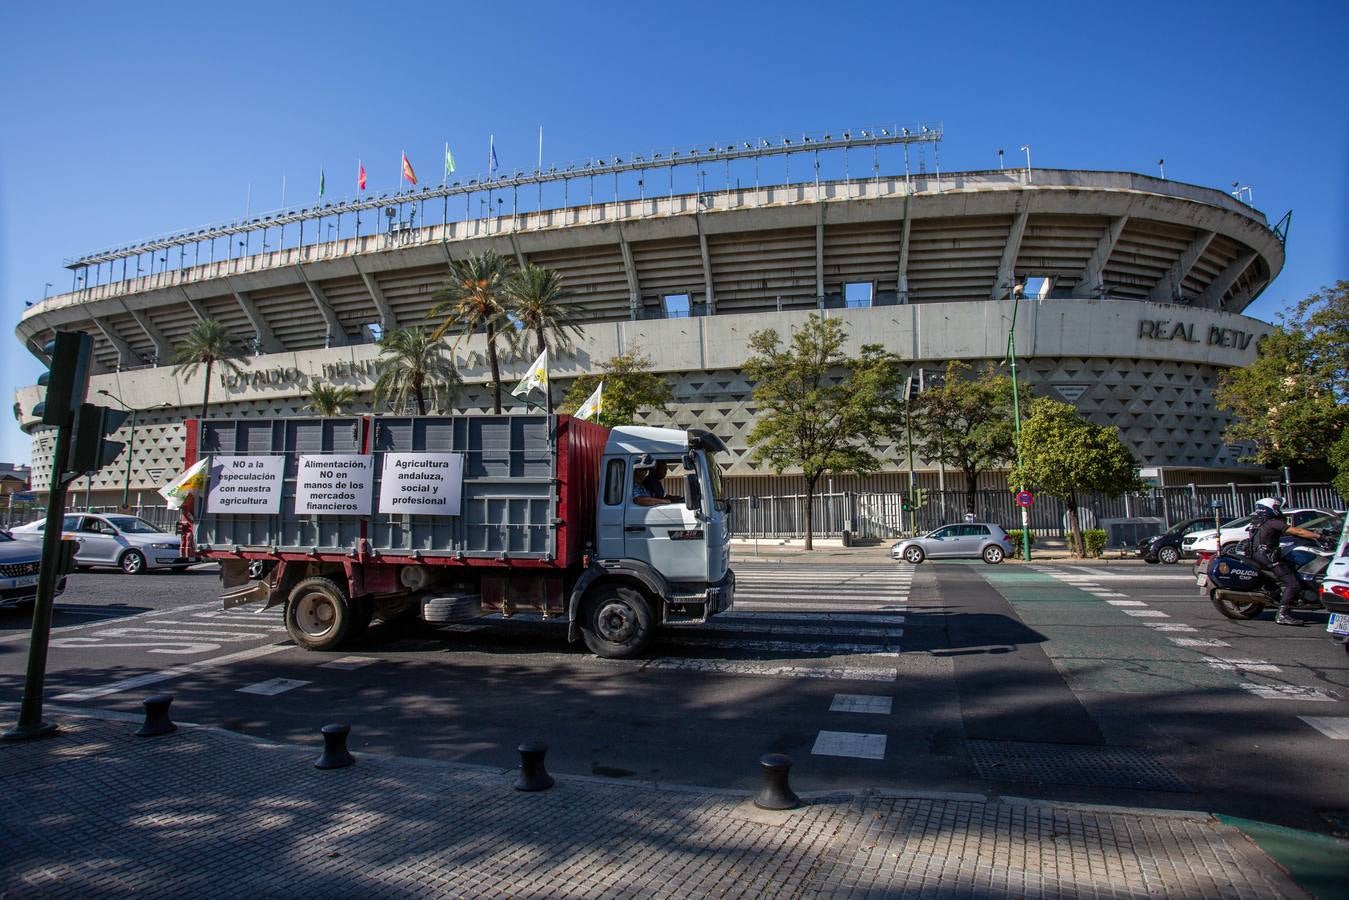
(1234, 532)
(19, 563)
(1335, 590)
(1166, 547)
(970, 540)
(114, 539)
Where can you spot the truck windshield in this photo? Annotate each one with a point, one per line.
(718, 485)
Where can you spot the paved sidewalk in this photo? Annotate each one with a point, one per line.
(203, 812)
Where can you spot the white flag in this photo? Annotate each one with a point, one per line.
(191, 482)
(536, 377)
(592, 408)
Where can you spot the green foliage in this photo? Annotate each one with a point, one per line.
(534, 297)
(207, 343)
(1018, 545)
(1064, 454)
(1095, 539)
(820, 410)
(1339, 461)
(629, 385)
(329, 399)
(414, 365)
(473, 301)
(1296, 393)
(966, 422)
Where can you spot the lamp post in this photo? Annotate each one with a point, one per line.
(1016, 419)
(1026, 149)
(131, 440)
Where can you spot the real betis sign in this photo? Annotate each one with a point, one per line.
(1189, 333)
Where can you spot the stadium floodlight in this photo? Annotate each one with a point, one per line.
(847, 135)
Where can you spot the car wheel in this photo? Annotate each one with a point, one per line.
(913, 555)
(1169, 555)
(132, 563)
(1229, 548)
(992, 554)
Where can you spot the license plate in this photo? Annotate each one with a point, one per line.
(1201, 579)
(25, 581)
(1338, 624)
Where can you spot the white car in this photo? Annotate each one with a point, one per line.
(1234, 532)
(1335, 589)
(114, 539)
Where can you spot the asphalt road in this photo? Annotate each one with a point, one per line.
(1115, 682)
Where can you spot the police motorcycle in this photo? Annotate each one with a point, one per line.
(1240, 588)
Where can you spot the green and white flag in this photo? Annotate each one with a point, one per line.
(323, 182)
(449, 161)
(536, 377)
(593, 406)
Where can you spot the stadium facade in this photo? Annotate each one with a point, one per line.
(1129, 292)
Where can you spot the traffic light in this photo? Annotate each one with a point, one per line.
(67, 380)
(90, 450)
(920, 498)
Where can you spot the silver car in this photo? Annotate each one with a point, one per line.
(968, 540)
(115, 539)
(19, 563)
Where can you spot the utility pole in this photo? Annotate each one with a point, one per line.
(1016, 419)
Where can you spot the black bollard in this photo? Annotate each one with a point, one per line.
(157, 719)
(335, 755)
(776, 793)
(533, 776)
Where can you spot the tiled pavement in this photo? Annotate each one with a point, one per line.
(202, 812)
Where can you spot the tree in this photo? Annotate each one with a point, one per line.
(1339, 461)
(329, 399)
(1294, 398)
(629, 385)
(967, 423)
(208, 343)
(820, 410)
(1064, 455)
(472, 301)
(415, 366)
(534, 295)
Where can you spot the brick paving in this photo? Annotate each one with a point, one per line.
(95, 811)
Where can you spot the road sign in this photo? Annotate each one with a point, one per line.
(1025, 499)
(22, 497)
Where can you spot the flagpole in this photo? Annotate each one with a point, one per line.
(491, 154)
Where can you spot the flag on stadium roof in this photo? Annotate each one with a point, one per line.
(407, 169)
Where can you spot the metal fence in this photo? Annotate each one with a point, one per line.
(161, 517)
(881, 515)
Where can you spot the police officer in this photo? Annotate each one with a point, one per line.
(1269, 526)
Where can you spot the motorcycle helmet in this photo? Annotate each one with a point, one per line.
(1266, 507)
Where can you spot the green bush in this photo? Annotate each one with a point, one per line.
(1018, 547)
(1094, 538)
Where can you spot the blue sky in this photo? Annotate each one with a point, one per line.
(124, 121)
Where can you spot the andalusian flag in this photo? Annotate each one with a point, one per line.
(188, 484)
(536, 377)
(407, 169)
(323, 182)
(449, 161)
(592, 408)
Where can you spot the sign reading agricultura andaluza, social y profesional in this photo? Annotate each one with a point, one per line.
(245, 485)
(334, 484)
(421, 484)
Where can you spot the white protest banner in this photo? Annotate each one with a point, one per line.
(421, 484)
(334, 485)
(245, 485)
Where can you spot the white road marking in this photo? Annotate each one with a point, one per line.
(717, 624)
(1198, 642)
(862, 703)
(169, 648)
(349, 662)
(1245, 665)
(1286, 692)
(837, 649)
(1334, 727)
(1145, 613)
(127, 684)
(1109, 594)
(1126, 603)
(219, 635)
(1170, 626)
(767, 670)
(821, 617)
(271, 687)
(850, 744)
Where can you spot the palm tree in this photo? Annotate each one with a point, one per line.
(535, 294)
(472, 301)
(414, 365)
(329, 399)
(207, 343)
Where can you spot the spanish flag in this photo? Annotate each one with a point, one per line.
(407, 169)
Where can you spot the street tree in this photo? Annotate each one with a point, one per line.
(208, 343)
(473, 301)
(415, 366)
(1293, 401)
(966, 422)
(534, 298)
(329, 399)
(1339, 463)
(820, 410)
(629, 385)
(1065, 455)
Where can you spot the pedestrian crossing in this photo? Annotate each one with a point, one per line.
(187, 630)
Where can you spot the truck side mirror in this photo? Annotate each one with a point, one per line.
(693, 492)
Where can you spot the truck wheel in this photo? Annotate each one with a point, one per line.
(616, 622)
(318, 614)
(1169, 555)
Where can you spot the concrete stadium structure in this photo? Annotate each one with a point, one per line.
(1130, 292)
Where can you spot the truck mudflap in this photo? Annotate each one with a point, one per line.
(240, 584)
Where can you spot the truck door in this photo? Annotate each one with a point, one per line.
(670, 537)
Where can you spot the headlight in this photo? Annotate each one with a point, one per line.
(164, 546)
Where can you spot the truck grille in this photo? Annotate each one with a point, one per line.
(18, 570)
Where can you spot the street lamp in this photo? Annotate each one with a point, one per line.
(131, 440)
(1016, 419)
(1026, 149)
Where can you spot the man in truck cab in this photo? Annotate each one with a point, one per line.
(648, 483)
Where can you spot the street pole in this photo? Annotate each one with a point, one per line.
(908, 436)
(130, 450)
(1016, 418)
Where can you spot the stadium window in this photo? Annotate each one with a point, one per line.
(1038, 287)
(374, 331)
(859, 294)
(676, 306)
